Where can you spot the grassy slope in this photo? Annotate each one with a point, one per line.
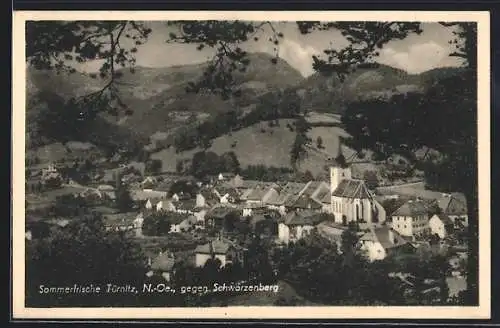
(271, 147)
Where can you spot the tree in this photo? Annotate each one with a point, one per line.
(371, 179)
(153, 166)
(82, 253)
(124, 201)
(319, 142)
(179, 166)
(298, 151)
(349, 239)
(230, 162)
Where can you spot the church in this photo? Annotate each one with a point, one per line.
(351, 200)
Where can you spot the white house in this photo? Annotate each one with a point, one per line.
(175, 198)
(223, 250)
(411, 219)
(454, 205)
(441, 225)
(163, 265)
(298, 225)
(200, 201)
(379, 242)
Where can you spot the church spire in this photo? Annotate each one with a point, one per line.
(340, 159)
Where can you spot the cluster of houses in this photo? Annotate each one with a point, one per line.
(294, 208)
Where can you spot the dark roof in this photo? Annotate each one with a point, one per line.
(382, 235)
(164, 263)
(457, 205)
(177, 218)
(412, 208)
(186, 204)
(303, 218)
(305, 202)
(218, 246)
(220, 212)
(311, 187)
(119, 219)
(350, 188)
(322, 193)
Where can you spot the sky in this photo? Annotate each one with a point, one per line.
(414, 54)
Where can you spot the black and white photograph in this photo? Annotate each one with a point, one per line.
(219, 161)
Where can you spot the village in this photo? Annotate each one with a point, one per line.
(178, 217)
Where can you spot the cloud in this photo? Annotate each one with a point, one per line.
(294, 53)
(418, 57)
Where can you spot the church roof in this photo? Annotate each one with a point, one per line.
(350, 188)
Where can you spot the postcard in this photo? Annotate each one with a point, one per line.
(201, 165)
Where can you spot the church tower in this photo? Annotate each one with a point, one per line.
(339, 169)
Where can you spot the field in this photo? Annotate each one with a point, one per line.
(261, 144)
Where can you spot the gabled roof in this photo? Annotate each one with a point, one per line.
(322, 192)
(305, 202)
(147, 194)
(257, 194)
(164, 263)
(218, 246)
(444, 218)
(457, 205)
(119, 219)
(220, 212)
(412, 208)
(310, 188)
(186, 204)
(306, 217)
(383, 236)
(351, 188)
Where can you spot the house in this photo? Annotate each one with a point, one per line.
(206, 198)
(227, 195)
(321, 195)
(144, 195)
(264, 224)
(297, 225)
(220, 249)
(185, 206)
(120, 221)
(225, 176)
(249, 208)
(441, 225)
(235, 182)
(217, 216)
(190, 222)
(454, 205)
(411, 219)
(163, 265)
(148, 182)
(380, 242)
(351, 200)
(332, 231)
(305, 202)
(105, 187)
